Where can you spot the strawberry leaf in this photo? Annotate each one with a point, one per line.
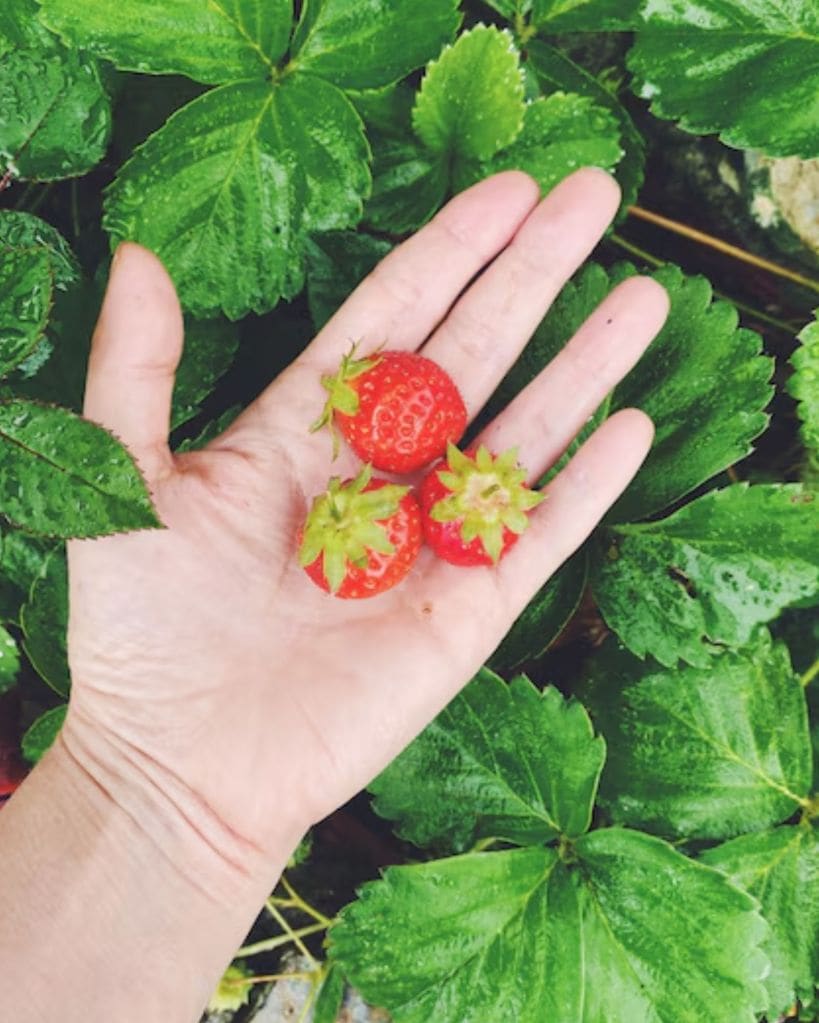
(585, 15)
(701, 753)
(500, 761)
(330, 996)
(699, 581)
(409, 180)
(701, 427)
(595, 940)
(556, 72)
(355, 43)
(24, 231)
(228, 189)
(804, 386)
(61, 475)
(336, 263)
(55, 115)
(470, 103)
(780, 868)
(560, 134)
(26, 286)
(210, 346)
(40, 735)
(544, 617)
(9, 660)
(44, 620)
(214, 42)
(749, 71)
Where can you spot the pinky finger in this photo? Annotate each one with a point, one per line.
(576, 500)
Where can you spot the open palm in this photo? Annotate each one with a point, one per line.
(202, 656)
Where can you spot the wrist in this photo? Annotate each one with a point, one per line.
(172, 820)
(102, 872)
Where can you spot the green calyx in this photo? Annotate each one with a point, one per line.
(488, 493)
(342, 397)
(344, 524)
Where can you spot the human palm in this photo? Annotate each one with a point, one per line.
(201, 654)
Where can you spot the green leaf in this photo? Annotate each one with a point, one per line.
(544, 618)
(701, 753)
(210, 431)
(44, 619)
(55, 115)
(25, 231)
(226, 192)
(499, 762)
(781, 869)
(61, 475)
(409, 181)
(21, 562)
(749, 71)
(555, 71)
(690, 585)
(586, 15)
(520, 935)
(213, 42)
(561, 133)
(210, 346)
(804, 386)
(26, 287)
(702, 426)
(330, 996)
(9, 660)
(363, 44)
(336, 263)
(470, 103)
(40, 736)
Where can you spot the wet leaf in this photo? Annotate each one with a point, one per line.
(688, 586)
(210, 346)
(44, 620)
(501, 761)
(227, 191)
(26, 285)
(40, 736)
(470, 103)
(409, 180)
(804, 386)
(24, 231)
(545, 616)
(522, 935)
(701, 752)
(9, 660)
(363, 44)
(781, 869)
(217, 41)
(55, 115)
(61, 475)
(748, 70)
(336, 263)
(561, 133)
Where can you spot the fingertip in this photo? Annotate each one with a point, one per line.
(602, 185)
(636, 427)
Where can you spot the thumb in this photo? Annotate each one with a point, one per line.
(135, 350)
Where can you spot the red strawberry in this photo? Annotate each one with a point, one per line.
(396, 410)
(475, 506)
(361, 537)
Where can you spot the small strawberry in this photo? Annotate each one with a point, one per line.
(475, 505)
(361, 536)
(396, 410)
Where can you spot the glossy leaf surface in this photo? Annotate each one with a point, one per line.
(701, 753)
(501, 761)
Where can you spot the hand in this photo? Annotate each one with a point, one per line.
(210, 675)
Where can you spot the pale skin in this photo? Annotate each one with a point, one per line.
(221, 702)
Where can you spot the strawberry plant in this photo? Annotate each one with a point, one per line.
(617, 818)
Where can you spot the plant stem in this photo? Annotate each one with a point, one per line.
(808, 676)
(266, 978)
(635, 250)
(282, 939)
(299, 903)
(721, 246)
(285, 926)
